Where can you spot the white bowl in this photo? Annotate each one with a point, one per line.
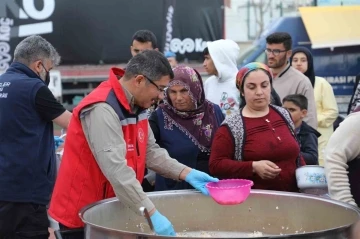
(311, 177)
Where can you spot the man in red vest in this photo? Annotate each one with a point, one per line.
(109, 142)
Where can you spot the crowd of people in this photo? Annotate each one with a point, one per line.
(156, 125)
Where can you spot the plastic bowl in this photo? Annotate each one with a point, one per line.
(310, 177)
(230, 191)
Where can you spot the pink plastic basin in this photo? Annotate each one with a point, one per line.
(230, 191)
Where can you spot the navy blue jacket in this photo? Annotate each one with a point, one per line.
(27, 151)
(308, 138)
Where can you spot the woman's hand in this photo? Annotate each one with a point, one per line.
(266, 169)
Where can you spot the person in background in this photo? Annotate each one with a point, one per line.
(288, 80)
(28, 110)
(221, 59)
(109, 142)
(171, 56)
(259, 142)
(326, 106)
(354, 104)
(342, 161)
(143, 40)
(307, 136)
(149, 180)
(185, 124)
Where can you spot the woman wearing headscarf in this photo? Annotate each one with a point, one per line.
(326, 106)
(259, 142)
(185, 124)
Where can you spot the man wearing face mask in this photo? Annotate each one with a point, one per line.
(27, 148)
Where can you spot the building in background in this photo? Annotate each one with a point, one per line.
(328, 31)
(246, 19)
(336, 2)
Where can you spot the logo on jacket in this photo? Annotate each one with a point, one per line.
(141, 135)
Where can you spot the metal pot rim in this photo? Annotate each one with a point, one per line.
(253, 191)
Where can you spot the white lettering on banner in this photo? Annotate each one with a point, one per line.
(3, 95)
(5, 28)
(351, 79)
(29, 11)
(187, 45)
(169, 28)
(35, 29)
(47, 11)
(341, 79)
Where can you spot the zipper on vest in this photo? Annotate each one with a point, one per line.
(104, 191)
(137, 148)
(137, 144)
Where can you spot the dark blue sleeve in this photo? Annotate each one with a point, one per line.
(153, 121)
(218, 114)
(309, 149)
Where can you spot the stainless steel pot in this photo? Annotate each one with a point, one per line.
(274, 214)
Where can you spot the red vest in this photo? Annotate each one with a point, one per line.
(80, 181)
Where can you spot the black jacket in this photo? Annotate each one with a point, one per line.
(308, 138)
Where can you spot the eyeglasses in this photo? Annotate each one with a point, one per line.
(276, 52)
(152, 82)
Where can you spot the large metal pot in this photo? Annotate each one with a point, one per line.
(275, 214)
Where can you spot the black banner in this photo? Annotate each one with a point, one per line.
(97, 32)
(194, 23)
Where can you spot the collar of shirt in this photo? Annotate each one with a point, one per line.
(286, 68)
(130, 98)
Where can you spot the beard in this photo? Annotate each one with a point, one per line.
(278, 64)
(43, 75)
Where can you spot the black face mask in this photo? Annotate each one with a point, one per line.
(47, 76)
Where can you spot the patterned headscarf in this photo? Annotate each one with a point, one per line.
(245, 70)
(199, 123)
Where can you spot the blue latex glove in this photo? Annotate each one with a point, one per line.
(199, 179)
(162, 226)
(58, 141)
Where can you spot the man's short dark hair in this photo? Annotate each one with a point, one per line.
(145, 36)
(206, 52)
(297, 99)
(150, 63)
(280, 37)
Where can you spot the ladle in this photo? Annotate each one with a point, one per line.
(146, 214)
